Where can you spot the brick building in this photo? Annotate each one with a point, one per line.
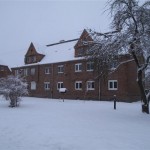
(4, 71)
(49, 68)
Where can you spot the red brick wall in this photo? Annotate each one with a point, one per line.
(125, 75)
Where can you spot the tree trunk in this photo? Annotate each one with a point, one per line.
(13, 101)
(144, 99)
(145, 104)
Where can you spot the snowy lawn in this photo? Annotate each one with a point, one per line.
(45, 124)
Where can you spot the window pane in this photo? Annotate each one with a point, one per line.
(76, 67)
(32, 71)
(90, 85)
(76, 85)
(90, 66)
(47, 85)
(80, 67)
(93, 85)
(80, 85)
(115, 84)
(62, 85)
(47, 70)
(110, 85)
(33, 85)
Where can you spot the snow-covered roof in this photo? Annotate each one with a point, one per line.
(53, 54)
(59, 53)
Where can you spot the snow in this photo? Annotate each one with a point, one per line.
(62, 90)
(46, 124)
(59, 53)
(53, 54)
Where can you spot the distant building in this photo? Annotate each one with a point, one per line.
(50, 68)
(4, 71)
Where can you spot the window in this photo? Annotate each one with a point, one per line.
(33, 58)
(78, 67)
(112, 85)
(16, 72)
(90, 66)
(26, 72)
(80, 51)
(33, 85)
(32, 71)
(47, 70)
(60, 69)
(78, 85)
(90, 85)
(46, 85)
(28, 59)
(60, 85)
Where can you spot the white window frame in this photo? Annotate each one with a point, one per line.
(91, 66)
(113, 85)
(78, 67)
(61, 69)
(47, 85)
(89, 85)
(47, 70)
(33, 85)
(77, 85)
(32, 71)
(60, 85)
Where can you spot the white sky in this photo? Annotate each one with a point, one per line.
(47, 21)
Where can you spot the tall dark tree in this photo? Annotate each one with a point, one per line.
(131, 23)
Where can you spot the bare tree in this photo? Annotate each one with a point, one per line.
(131, 23)
(12, 88)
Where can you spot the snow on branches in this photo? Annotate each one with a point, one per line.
(12, 88)
(131, 23)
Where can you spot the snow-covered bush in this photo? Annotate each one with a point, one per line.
(13, 88)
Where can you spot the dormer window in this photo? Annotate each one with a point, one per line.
(32, 56)
(80, 51)
(31, 59)
(28, 59)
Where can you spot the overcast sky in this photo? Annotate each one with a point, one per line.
(47, 21)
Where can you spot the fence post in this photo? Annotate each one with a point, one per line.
(115, 102)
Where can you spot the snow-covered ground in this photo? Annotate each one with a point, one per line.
(44, 124)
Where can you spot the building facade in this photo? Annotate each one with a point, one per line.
(4, 71)
(47, 72)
